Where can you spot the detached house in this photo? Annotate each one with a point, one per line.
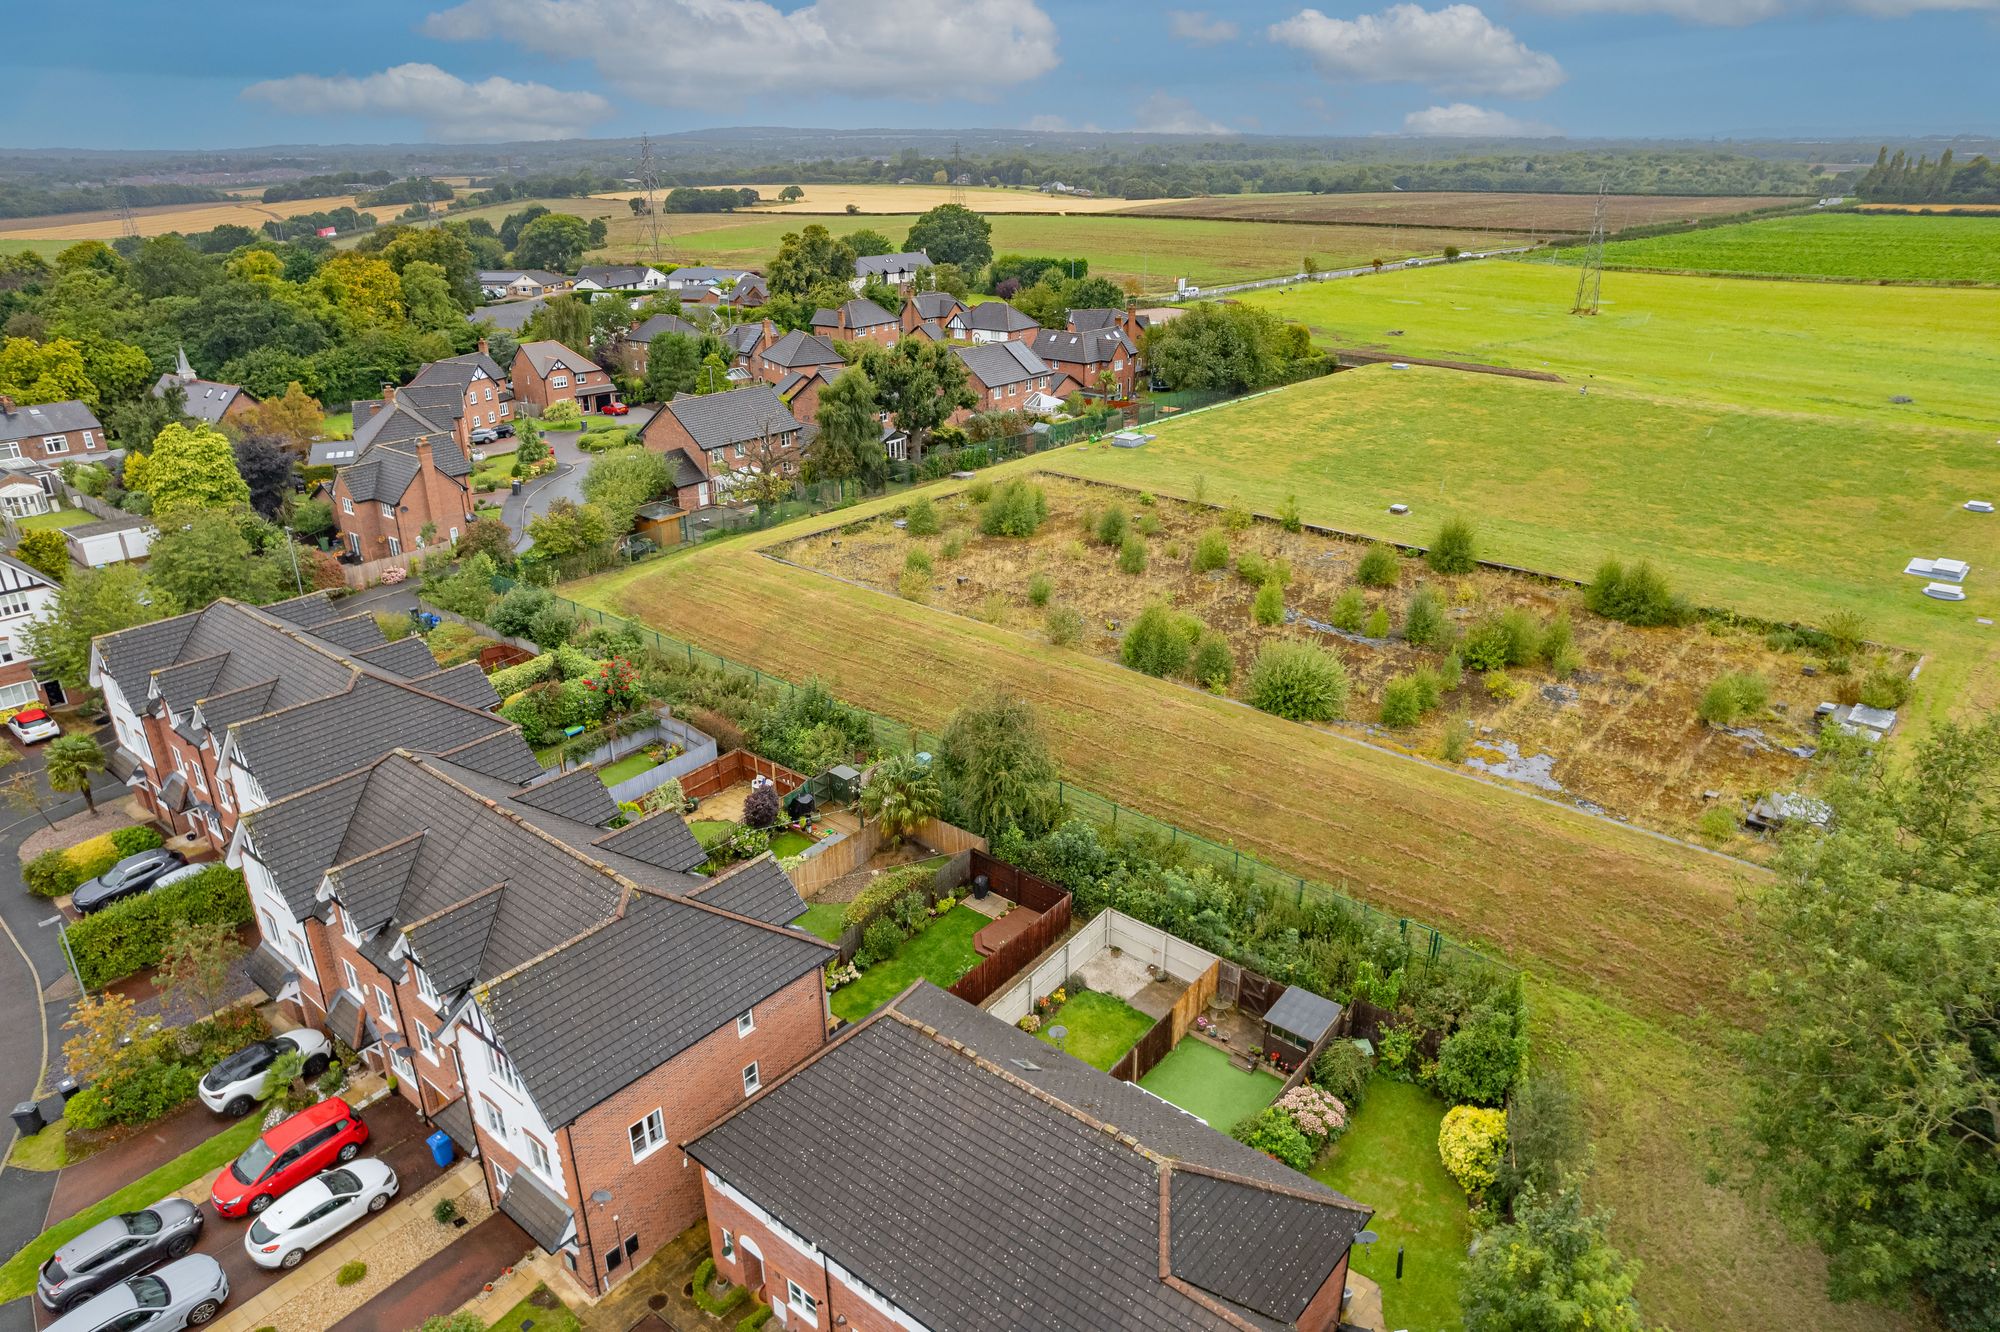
(548, 372)
(48, 432)
(521, 282)
(467, 391)
(408, 488)
(858, 320)
(720, 433)
(1009, 377)
(1089, 356)
(775, 358)
(205, 400)
(894, 269)
(928, 314)
(991, 321)
(619, 277)
(843, 1196)
(635, 343)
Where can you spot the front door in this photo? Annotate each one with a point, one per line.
(753, 1275)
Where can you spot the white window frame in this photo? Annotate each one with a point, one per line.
(728, 1245)
(55, 443)
(89, 441)
(389, 511)
(353, 978)
(395, 545)
(11, 450)
(502, 1177)
(346, 505)
(425, 1045)
(800, 1303)
(559, 381)
(427, 991)
(536, 1154)
(753, 1079)
(647, 1136)
(385, 1007)
(15, 603)
(493, 1117)
(746, 1022)
(502, 1068)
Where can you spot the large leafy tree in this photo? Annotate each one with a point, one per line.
(294, 417)
(996, 767)
(849, 446)
(920, 384)
(265, 463)
(623, 479)
(92, 602)
(1875, 1080)
(953, 234)
(446, 247)
(555, 242)
(564, 319)
(52, 371)
(673, 361)
(190, 467)
(365, 290)
(427, 297)
(808, 258)
(206, 555)
(1550, 1270)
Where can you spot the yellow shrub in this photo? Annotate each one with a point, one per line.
(95, 849)
(1470, 1143)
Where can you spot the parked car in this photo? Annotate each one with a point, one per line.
(317, 1210)
(186, 1293)
(614, 409)
(287, 1156)
(114, 1249)
(484, 435)
(234, 1084)
(128, 878)
(187, 871)
(31, 725)
(506, 429)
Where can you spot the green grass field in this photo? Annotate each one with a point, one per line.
(48, 249)
(54, 520)
(1388, 1159)
(1098, 1028)
(1861, 247)
(1817, 348)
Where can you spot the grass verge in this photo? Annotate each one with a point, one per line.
(542, 1311)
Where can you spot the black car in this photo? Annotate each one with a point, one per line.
(112, 1250)
(128, 878)
(506, 429)
(1159, 385)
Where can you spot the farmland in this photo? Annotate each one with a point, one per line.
(1849, 246)
(1815, 348)
(1534, 214)
(836, 199)
(185, 218)
(1621, 728)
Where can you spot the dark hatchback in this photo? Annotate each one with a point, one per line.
(128, 878)
(114, 1249)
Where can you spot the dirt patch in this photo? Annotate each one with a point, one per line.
(1619, 735)
(109, 816)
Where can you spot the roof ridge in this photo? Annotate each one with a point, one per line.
(691, 899)
(1338, 1199)
(444, 911)
(381, 850)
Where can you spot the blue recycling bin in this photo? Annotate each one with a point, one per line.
(441, 1148)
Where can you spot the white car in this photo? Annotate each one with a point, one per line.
(236, 1083)
(317, 1210)
(31, 725)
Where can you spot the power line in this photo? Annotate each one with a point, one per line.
(1590, 281)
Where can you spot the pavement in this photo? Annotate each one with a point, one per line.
(566, 482)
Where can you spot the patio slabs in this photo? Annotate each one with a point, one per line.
(1200, 1079)
(1100, 1027)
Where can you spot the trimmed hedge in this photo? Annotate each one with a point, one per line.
(876, 897)
(59, 872)
(130, 935)
(723, 1304)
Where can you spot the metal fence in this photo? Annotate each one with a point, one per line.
(1428, 945)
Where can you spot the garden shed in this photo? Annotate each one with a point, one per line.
(1296, 1023)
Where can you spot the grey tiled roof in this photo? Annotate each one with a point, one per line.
(996, 317)
(497, 755)
(464, 683)
(664, 840)
(1096, 347)
(305, 611)
(661, 323)
(220, 711)
(206, 399)
(344, 1020)
(511, 316)
(382, 471)
(1095, 316)
(298, 837)
(356, 633)
(544, 355)
(860, 313)
(452, 941)
(759, 889)
(616, 1003)
(455, 1118)
(537, 1209)
(46, 418)
(718, 420)
(936, 305)
(874, 265)
(687, 471)
(578, 794)
(845, 1151)
(613, 275)
(1303, 1013)
(407, 657)
(996, 363)
(268, 969)
(798, 349)
(373, 883)
(458, 370)
(741, 338)
(258, 648)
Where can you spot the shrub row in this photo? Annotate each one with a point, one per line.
(876, 897)
(56, 873)
(158, 1073)
(130, 935)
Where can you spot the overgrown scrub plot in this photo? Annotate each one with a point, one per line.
(1853, 246)
(1621, 733)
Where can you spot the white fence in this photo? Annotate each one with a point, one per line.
(1108, 929)
(698, 748)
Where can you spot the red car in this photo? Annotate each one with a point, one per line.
(288, 1155)
(614, 409)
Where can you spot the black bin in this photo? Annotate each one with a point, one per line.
(28, 1118)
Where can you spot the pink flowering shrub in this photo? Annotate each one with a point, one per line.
(1319, 1114)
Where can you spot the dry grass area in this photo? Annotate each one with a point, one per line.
(1529, 213)
(1620, 734)
(1936, 208)
(185, 218)
(912, 199)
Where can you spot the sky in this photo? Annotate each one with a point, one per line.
(205, 73)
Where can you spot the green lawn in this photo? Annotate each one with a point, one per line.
(338, 425)
(1388, 1160)
(1863, 247)
(630, 766)
(824, 919)
(55, 519)
(1101, 1027)
(789, 843)
(940, 955)
(555, 1319)
(1199, 1078)
(17, 1275)
(1830, 349)
(710, 831)
(497, 472)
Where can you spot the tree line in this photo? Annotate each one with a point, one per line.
(1900, 179)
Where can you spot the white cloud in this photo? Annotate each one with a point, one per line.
(1161, 114)
(705, 52)
(1455, 49)
(1463, 120)
(450, 109)
(1194, 25)
(1737, 13)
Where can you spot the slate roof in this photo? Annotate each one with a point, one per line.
(256, 647)
(661, 323)
(936, 305)
(845, 1151)
(458, 370)
(798, 349)
(612, 276)
(749, 290)
(537, 1209)
(305, 611)
(859, 313)
(1302, 1013)
(332, 452)
(544, 355)
(1096, 347)
(705, 273)
(995, 317)
(876, 265)
(741, 339)
(464, 684)
(718, 420)
(386, 463)
(356, 633)
(1094, 317)
(28, 421)
(455, 1118)
(511, 316)
(452, 941)
(578, 794)
(268, 969)
(406, 657)
(758, 888)
(666, 840)
(995, 364)
(206, 399)
(436, 402)
(371, 885)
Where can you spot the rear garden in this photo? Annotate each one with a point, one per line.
(1204, 1081)
(54, 520)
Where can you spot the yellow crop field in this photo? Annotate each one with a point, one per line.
(915, 199)
(186, 218)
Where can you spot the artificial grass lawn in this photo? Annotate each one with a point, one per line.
(55, 519)
(1388, 1160)
(824, 919)
(1101, 1027)
(1199, 1078)
(940, 955)
(556, 1319)
(630, 766)
(17, 1275)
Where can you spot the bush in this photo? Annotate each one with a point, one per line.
(444, 1211)
(910, 912)
(552, 627)
(1503, 688)
(1349, 611)
(879, 940)
(918, 560)
(1298, 681)
(1288, 515)
(1378, 624)
(1272, 1132)
(1470, 1142)
(1154, 644)
(1110, 529)
(1638, 595)
(1487, 647)
(1456, 739)
(1236, 517)
(1524, 636)
(1424, 622)
(1429, 686)
(1132, 555)
(1885, 688)
(921, 518)
(1343, 1070)
(351, 1274)
(1717, 825)
(1040, 589)
(1848, 630)
(1316, 1112)
(1379, 566)
(1558, 639)
(563, 415)
(980, 491)
(1269, 607)
(1451, 673)
(1479, 1061)
(131, 934)
(1211, 551)
(704, 1277)
(913, 585)
(1402, 704)
(760, 807)
(1452, 549)
(953, 547)
(884, 889)
(1253, 568)
(1064, 625)
(51, 875)
(1732, 696)
(1017, 509)
(55, 873)
(1214, 662)
(511, 680)
(1566, 662)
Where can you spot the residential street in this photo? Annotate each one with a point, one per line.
(566, 482)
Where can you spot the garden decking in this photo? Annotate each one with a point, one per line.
(1202, 1080)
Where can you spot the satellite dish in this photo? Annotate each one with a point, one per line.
(601, 1197)
(1366, 1237)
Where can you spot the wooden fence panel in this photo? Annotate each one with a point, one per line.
(1015, 884)
(738, 765)
(1193, 1000)
(948, 838)
(983, 981)
(1255, 993)
(850, 853)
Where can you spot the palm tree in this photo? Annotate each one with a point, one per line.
(902, 795)
(71, 761)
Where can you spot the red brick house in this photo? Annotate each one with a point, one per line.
(858, 320)
(764, 353)
(548, 372)
(408, 488)
(991, 321)
(1008, 377)
(720, 433)
(635, 343)
(57, 432)
(1088, 356)
(836, 1195)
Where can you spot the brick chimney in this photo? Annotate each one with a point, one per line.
(388, 396)
(482, 348)
(423, 447)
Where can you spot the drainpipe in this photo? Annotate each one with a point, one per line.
(583, 1205)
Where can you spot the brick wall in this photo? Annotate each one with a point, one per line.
(434, 499)
(1322, 1313)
